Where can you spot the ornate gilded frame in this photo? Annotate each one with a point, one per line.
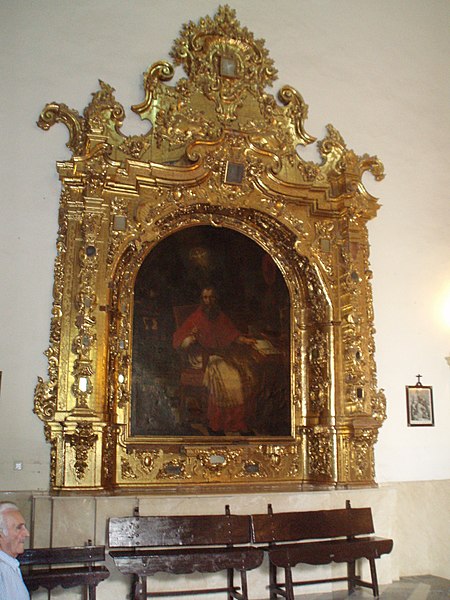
(221, 152)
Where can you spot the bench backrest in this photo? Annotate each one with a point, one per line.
(318, 524)
(166, 531)
(62, 556)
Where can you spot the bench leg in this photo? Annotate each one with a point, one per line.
(351, 575)
(288, 583)
(134, 587)
(230, 583)
(272, 580)
(139, 588)
(244, 589)
(373, 572)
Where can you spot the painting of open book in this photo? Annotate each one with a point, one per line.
(211, 339)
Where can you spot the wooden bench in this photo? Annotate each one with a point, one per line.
(318, 538)
(145, 545)
(48, 567)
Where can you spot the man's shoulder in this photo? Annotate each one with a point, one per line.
(6, 559)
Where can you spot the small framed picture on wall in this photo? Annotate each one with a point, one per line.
(419, 404)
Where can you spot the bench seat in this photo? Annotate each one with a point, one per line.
(49, 568)
(325, 552)
(187, 560)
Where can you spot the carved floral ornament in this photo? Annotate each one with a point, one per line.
(220, 159)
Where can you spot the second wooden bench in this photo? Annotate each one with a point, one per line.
(146, 545)
(318, 538)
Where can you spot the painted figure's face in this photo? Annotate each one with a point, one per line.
(209, 303)
(12, 542)
(209, 297)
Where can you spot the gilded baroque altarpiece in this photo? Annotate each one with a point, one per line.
(216, 180)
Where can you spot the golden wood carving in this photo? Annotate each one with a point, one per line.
(123, 195)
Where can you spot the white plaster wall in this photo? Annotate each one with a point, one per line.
(378, 71)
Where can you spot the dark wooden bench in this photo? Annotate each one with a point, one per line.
(145, 545)
(65, 567)
(318, 538)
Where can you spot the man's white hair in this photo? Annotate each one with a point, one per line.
(4, 508)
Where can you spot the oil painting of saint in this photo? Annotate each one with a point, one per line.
(211, 340)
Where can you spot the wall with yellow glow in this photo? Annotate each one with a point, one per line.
(378, 71)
